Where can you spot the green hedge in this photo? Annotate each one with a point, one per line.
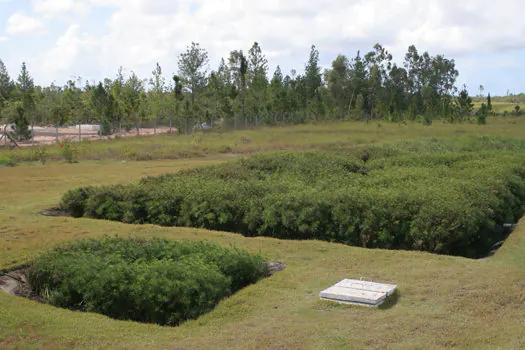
(154, 281)
(449, 197)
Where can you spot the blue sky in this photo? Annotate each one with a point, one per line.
(64, 39)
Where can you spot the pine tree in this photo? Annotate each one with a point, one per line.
(26, 89)
(464, 102)
(193, 68)
(258, 70)
(6, 85)
(312, 72)
(489, 103)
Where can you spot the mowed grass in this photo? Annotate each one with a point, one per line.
(443, 301)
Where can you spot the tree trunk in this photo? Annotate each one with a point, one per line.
(351, 101)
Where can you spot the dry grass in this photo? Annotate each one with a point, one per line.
(300, 137)
(444, 302)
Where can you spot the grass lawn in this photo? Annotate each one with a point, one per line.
(443, 301)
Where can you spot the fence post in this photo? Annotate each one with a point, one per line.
(79, 133)
(170, 126)
(155, 127)
(56, 129)
(32, 134)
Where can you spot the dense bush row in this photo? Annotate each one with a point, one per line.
(154, 281)
(446, 197)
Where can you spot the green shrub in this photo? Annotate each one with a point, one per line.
(154, 281)
(443, 197)
(41, 154)
(75, 201)
(69, 152)
(105, 128)
(9, 160)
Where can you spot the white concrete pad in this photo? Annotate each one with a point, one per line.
(368, 286)
(358, 292)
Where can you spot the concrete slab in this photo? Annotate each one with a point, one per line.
(368, 286)
(358, 292)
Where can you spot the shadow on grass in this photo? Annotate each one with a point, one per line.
(328, 305)
(390, 301)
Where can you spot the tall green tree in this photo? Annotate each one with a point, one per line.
(312, 73)
(258, 71)
(101, 105)
(157, 83)
(193, 69)
(276, 92)
(72, 103)
(358, 81)
(338, 81)
(238, 65)
(464, 103)
(25, 88)
(116, 90)
(6, 85)
(133, 98)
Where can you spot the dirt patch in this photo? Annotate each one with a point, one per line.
(54, 212)
(274, 267)
(15, 283)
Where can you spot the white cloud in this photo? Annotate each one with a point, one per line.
(438, 25)
(21, 24)
(72, 53)
(3, 38)
(57, 8)
(140, 32)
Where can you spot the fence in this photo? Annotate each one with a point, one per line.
(42, 134)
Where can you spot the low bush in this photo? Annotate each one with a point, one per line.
(154, 281)
(69, 152)
(8, 160)
(445, 197)
(41, 154)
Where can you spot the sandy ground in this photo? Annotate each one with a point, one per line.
(48, 135)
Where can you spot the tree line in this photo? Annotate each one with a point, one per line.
(241, 92)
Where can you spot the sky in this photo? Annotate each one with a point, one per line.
(65, 39)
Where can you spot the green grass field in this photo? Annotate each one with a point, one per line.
(443, 302)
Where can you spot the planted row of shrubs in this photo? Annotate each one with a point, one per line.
(450, 197)
(153, 281)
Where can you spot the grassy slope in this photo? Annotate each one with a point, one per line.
(444, 301)
(265, 139)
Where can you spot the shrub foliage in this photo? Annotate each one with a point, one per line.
(154, 281)
(442, 196)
